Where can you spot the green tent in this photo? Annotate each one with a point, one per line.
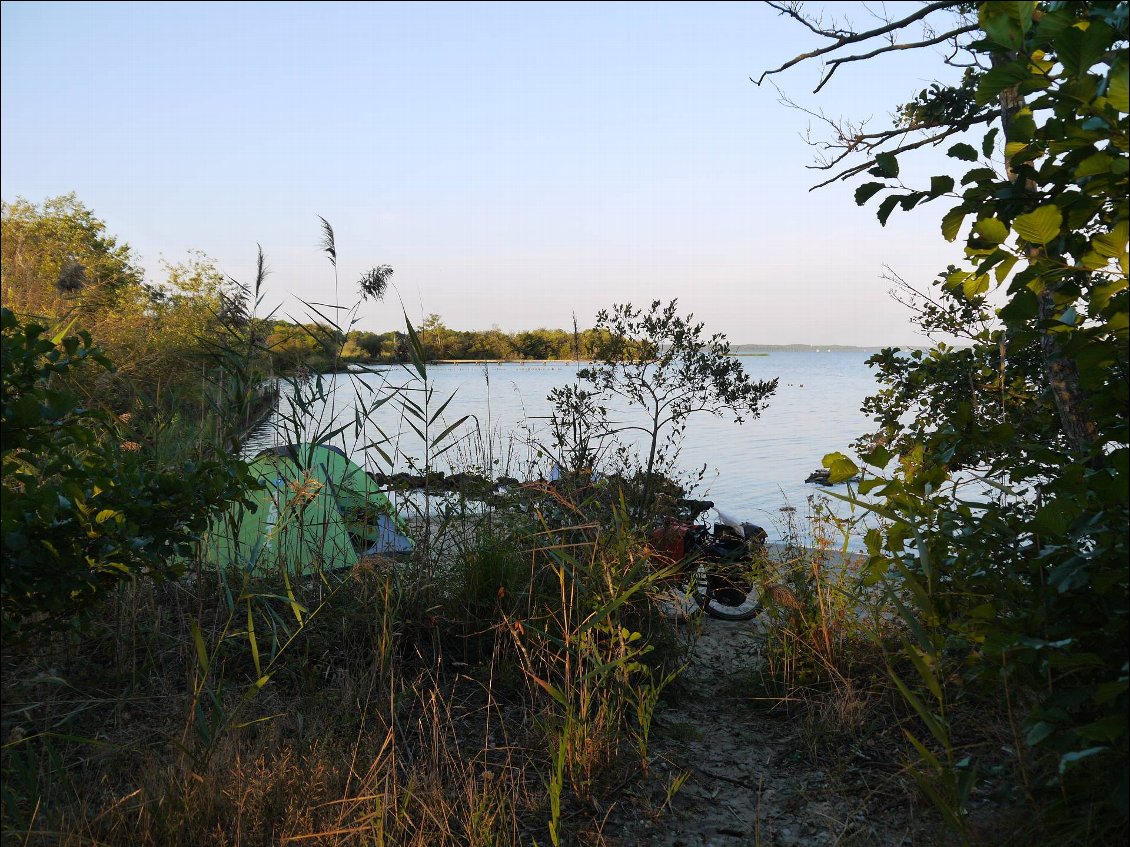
(315, 510)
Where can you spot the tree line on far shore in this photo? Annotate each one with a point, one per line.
(316, 346)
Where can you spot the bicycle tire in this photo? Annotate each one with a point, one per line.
(710, 606)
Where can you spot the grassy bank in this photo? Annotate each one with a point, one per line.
(488, 700)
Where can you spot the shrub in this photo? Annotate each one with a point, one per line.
(84, 507)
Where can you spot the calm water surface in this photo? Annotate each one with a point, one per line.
(751, 470)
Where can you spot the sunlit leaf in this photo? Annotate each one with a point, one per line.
(842, 468)
(991, 230)
(1039, 226)
(951, 223)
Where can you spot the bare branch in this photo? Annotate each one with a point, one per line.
(890, 48)
(850, 138)
(816, 26)
(987, 117)
(933, 316)
(854, 38)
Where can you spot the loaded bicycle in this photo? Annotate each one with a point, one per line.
(717, 563)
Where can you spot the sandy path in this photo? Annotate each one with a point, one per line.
(754, 779)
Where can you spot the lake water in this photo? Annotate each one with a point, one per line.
(751, 469)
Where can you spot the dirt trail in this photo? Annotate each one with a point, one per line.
(754, 778)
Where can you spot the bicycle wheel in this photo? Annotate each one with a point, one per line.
(720, 602)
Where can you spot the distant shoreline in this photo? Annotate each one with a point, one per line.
(747, 349)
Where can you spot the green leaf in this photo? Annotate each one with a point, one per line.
(878, 457)
(909, 201)
(1050, 520)
(842, 468)
(937, 728)
(866, 191)
(1114, 243)
(887, 165)
(991, 230)
(1117, 93)
(1040, 226)
(415, 349)
(953, 280)
(988, 143)
(979, 175)
(201, 650)
(1101, 294)
(886, 207)
(1094, 165)
(1006, 23)
(1107, 691)
(962, 151)
(1001, 78)
(439, 438)
(1040, 731)
(1000, 27)
(252, 640)
(1013, 148)
(62, 333)
(866, 486)
(1005, 267)
(1118, 323)
(1079, 49)
(1108, 729)
(975, 285)
(104, 515)
(951, 222)
(940, 185)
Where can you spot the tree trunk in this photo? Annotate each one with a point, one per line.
(1061, 373)
(1063, 380)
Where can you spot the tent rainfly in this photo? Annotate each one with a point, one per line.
(314, 510)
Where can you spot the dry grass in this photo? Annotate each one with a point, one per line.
(391, 717)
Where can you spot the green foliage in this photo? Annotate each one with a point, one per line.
(312, 346)
(665, 367)
(58, 260)
(442, 342)
(1002, 465)
(83, 508)
(41, 241)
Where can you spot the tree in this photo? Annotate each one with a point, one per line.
(58, 254)
(536, 344)
(60, 264)
(663, 364)
(439, 341)
(1032, 580)
(364, 345)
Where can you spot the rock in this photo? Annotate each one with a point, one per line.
(820, 476)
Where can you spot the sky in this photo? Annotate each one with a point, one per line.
(516, 164)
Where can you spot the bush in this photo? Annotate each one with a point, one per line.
(83, 507)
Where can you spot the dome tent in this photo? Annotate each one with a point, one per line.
(315, 510)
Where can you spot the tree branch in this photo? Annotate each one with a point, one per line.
(890, 48)
(792, 10)
(988, 117)
(854, 38)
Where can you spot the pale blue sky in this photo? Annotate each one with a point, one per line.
(514, 163)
